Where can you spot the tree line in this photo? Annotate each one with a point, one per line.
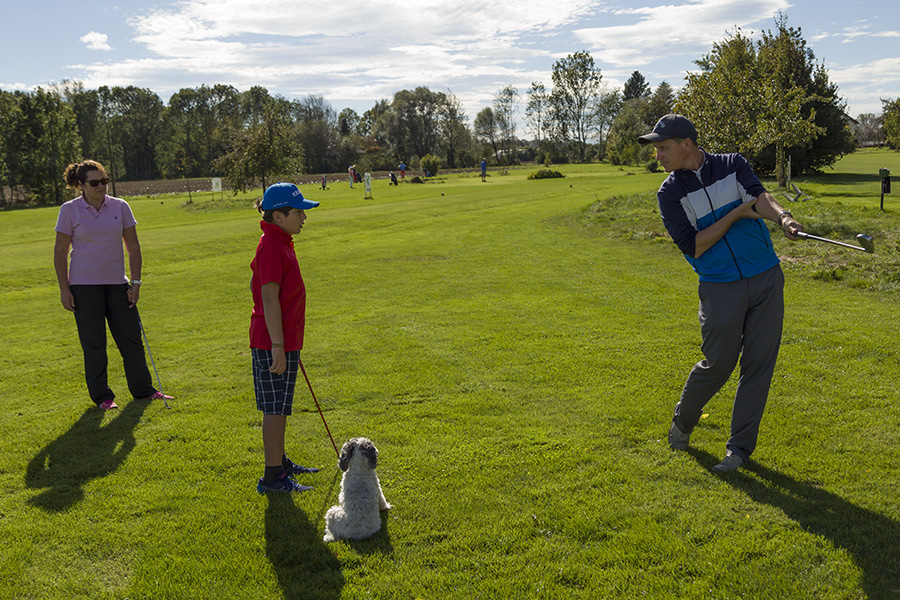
(252, 136)
(769, 99)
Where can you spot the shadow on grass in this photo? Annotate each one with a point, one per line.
(872, 539)
(305, 566)
(88, 450)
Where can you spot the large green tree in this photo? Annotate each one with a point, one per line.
(622, 147)
(576, 84)
(870, 130)
(12, 124)
(768, 100)
(417, 125)
(635, 87)
(455, 135)
(891, 122)
(318, 133)
(46, 142)
(537, 112)
(486, 130)
(505, 102)
(264, 150)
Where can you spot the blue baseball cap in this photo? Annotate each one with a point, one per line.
(279, 195)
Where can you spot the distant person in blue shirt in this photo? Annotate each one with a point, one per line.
(713, 206)
(483, 169)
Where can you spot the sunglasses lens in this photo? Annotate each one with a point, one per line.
(96, 182)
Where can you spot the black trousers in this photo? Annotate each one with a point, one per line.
(95, 306)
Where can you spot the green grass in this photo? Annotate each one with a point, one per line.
(515, 349)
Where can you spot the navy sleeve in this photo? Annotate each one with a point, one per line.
(676, 222)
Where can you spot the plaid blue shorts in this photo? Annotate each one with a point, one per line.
(274, 393)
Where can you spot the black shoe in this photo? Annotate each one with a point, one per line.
(731, 462)
(678, 440)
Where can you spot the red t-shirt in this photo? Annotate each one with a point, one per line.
(276, 261)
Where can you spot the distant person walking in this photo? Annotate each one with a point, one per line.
(351, 172)
(93, 284)
(483, 169)
(402, 171)
(324, 181)
(713, 206)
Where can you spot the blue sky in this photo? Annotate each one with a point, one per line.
(356, 52)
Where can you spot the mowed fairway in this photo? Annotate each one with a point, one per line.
(515, 363)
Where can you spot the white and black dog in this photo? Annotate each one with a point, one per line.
(361, 498)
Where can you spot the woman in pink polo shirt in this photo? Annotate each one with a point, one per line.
(93, 284)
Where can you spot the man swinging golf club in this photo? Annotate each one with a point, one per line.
(713, 206)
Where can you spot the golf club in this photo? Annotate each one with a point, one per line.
(320, 409)
(152, 362)
(867, 244)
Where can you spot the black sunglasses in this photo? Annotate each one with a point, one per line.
(96, 182)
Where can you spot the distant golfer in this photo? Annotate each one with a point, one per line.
(402, 170)
(276, 328)
(94, 285)
(713, 205)
(483, 169)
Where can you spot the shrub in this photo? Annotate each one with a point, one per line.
(545, 174)
(431, 163)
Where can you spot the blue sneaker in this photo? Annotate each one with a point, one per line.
(293, 468)
(282, 483)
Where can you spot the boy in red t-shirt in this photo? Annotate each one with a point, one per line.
(276, 328)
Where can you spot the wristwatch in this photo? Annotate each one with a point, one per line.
(135, 282)
(781, 215)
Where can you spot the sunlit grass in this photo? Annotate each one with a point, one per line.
(514, 348)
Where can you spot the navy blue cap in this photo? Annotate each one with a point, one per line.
(279, 195)
(670, 126)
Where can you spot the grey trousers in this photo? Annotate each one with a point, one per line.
(741, 319)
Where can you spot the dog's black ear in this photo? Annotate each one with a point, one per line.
(369, 450)
(346, 454)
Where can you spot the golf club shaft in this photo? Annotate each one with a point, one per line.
(309, 385)
(153, 362)
(808, 236)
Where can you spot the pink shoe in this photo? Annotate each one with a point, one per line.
(108, 405)
(161, 396)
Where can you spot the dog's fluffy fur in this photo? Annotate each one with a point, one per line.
(357, 516)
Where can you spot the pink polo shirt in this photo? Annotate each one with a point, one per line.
(98, 256)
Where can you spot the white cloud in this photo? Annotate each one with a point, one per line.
(675, 29)
(96, 41)
(351, 49)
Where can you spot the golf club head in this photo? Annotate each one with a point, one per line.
(866, 242)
